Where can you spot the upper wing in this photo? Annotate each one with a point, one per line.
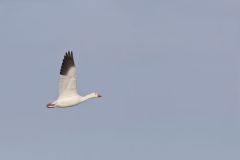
(68, 81)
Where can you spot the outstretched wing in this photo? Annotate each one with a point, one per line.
(68, 77)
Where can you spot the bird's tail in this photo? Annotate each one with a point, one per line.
(51, 105)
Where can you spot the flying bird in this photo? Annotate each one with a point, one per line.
(68, 95)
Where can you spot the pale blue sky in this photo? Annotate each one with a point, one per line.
(168, 72)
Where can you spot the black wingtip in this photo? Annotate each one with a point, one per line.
(67, 63)
(69, 54)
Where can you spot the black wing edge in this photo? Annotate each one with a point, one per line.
(67, 63)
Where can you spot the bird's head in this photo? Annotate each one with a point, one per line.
(96, 95)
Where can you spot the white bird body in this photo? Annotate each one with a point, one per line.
(68, 102)
(68, 95)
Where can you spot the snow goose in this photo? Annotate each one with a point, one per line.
(68, 95)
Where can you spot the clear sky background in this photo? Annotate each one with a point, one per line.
(168, 72)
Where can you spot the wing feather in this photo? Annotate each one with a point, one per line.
(68, 77)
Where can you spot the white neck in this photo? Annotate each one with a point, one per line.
(88, 96)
